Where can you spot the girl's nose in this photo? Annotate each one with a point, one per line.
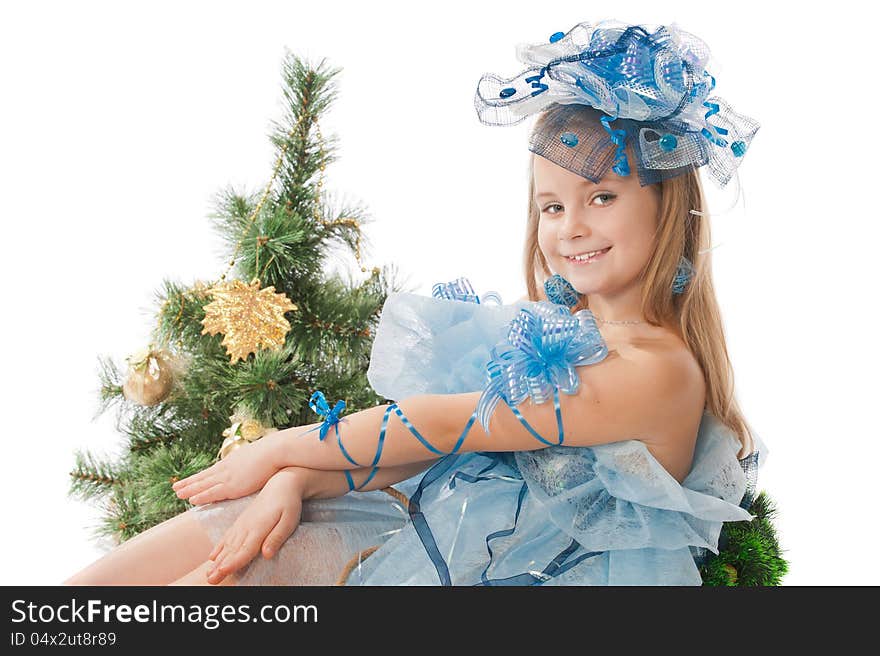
(573, 225)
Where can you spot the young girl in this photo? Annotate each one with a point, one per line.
(619, 449)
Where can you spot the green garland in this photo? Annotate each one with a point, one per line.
(748, 552)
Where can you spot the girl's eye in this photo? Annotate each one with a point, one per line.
(607, 196)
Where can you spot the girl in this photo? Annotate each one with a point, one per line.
(625, 478)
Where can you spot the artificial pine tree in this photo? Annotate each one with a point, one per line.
(748, 552)
(237, 358)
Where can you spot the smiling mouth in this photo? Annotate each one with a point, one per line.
(586, 260)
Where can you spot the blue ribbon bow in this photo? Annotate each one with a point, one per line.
(319, 404)
(462, 290)
(544, 345)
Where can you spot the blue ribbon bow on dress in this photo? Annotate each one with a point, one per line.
(462, 290)
(544, 345)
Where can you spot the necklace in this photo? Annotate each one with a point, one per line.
(616, 322)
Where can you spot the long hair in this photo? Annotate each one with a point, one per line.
(695, 312)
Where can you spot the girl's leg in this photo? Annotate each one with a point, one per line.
(199, 575)
(158, 556)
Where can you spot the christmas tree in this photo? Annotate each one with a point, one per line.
(748, 552)
(230, 360)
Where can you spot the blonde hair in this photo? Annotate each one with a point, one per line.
(695, 312)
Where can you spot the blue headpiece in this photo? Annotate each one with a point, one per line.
(653, 85)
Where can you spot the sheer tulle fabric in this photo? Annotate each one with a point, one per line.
(331, 536)
(428, 345)
(603, 515)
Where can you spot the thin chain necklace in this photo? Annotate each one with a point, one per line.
(616, 322)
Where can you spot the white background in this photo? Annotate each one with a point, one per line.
(120, 121)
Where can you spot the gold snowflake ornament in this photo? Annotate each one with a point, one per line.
(250, 318)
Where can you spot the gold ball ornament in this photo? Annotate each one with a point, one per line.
(150, 376)
(243, 430)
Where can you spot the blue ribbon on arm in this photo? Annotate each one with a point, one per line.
(544, 345)
(351, 486)
(318, 403)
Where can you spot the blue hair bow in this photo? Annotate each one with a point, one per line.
(653, 83)
(544, 345)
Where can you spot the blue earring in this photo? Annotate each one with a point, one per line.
(683, 275)
(560, 291)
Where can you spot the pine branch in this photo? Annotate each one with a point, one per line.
(232, 214)
(181, 419)
(267, 386)
(180, 314)
(110, 392)
(333, 319)
(384, 281)
(309, 92)
(92, 477)
(122, 518)
(150, 429)
(146, 498)
(750, 555)
(141, 443)
(343, 223)
(282, 247)
(154, 474)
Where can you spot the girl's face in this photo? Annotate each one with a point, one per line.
(578, 216)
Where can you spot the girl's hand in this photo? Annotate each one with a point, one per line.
(263, 526)
(242, 472)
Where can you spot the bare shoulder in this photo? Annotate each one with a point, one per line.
(680, 398)
(669, 352)
(669, 366)
(650, 390)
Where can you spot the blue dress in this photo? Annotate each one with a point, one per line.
(608, 514)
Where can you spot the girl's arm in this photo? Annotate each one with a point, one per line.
(276, 512)
(446, 423)
(248, 468)
(324, 484)
(617, 399)
(433, 416)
